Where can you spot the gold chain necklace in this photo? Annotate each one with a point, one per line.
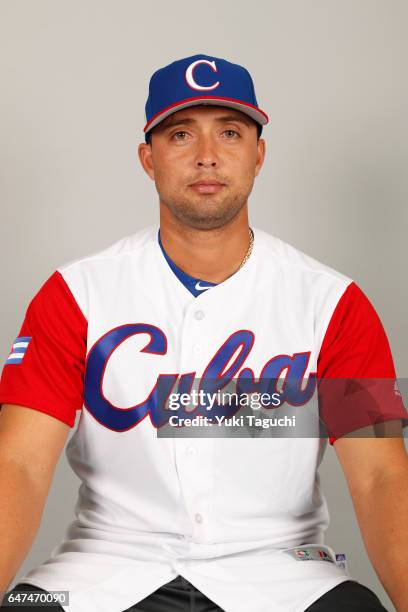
(249, 251)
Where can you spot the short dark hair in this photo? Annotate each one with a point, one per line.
(258, 130)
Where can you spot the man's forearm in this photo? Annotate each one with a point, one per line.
(21, 507)
(382, 513)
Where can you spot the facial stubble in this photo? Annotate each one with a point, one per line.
(204, 211)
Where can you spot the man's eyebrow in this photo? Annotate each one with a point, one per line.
(230, 118)
(191, 120)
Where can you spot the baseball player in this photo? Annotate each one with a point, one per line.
(166, 518)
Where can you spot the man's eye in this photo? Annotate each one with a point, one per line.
(231, 132)
(177, 133)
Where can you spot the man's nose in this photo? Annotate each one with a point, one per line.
(207, 156)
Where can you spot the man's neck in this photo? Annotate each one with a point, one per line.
(211, 255)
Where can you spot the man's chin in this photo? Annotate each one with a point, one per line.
(209, 211)
(211, 218)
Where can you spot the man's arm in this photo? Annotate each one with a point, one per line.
(30, 445)
(376, 469)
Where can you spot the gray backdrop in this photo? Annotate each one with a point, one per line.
(331, 74)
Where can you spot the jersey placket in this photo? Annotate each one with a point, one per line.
(194, 455)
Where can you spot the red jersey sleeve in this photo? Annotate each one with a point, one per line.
(45, 367)
(355, 369)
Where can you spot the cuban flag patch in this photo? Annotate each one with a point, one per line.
(18, 350)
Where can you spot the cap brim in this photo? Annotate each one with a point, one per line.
(252, 111)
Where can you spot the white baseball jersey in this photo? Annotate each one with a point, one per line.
(242, 519)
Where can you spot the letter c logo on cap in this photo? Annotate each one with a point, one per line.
(190, 78)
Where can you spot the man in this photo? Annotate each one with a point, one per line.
(199, 521)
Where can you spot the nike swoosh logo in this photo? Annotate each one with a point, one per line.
(198, 287)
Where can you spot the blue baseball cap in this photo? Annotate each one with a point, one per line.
(200, 79)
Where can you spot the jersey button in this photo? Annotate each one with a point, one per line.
(199, 314)
(198, 518)
(197, 349)
(191, 450)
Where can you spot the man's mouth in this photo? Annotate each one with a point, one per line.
(209, 186)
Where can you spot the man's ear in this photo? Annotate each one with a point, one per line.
(260, 157)
(146, 159)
